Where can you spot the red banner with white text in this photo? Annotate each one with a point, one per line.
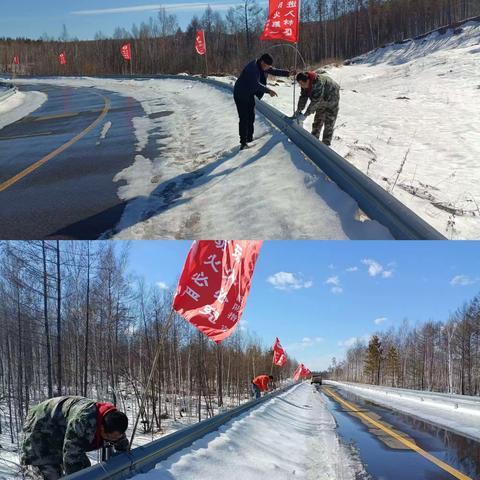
(126, 51)
(213, 288)
(200, 45)
(282, 21)
(279, 355)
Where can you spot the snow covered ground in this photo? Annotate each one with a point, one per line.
(449, 411)
(19, 105)
(189, 179)
(412, 111)
(290, 436)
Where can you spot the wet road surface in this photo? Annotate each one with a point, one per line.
(56, 172)
(387, 458)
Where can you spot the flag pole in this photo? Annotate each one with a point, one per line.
(296, 55)
(206, 61)
(294, 77)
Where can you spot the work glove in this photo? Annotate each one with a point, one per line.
(300, 118)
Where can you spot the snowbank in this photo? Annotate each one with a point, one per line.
(19, 105)
(189, 179)
(453, 412)
(411, 110)
(291, 436)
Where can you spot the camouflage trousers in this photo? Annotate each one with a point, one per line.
(42, 472)
(325, 116)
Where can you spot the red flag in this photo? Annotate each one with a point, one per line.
(301, 372)
(62, 59)
(16, 60)
(282, 21)
(200, 45)
(279, 356)
(126, 51)
(214, 285)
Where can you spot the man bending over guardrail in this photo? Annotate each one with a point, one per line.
(58, 432)
(324, 95)
(261, 384)
(252, 83)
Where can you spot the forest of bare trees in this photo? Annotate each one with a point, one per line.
(436, 356)
(330, 30)
(75, 320)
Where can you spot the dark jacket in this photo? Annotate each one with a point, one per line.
(253, 80)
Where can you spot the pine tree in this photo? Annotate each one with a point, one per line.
(373, 359)
(392, 364)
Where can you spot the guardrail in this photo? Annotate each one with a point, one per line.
(144, 458)
(11, 89)
(444, 400)
(372, 199)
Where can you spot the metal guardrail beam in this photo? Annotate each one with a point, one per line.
(144, 458)
(11, 89)
(454, 400)
(372, 199)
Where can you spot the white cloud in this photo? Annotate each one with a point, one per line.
(288, 281)
(380, 320)
(243, 325)
(350, 342)
(333, 281)
(462, 280)
(155, 8)
(352, 269)
(336, 284)
(331, 266)
(162, 285)
(375, 269)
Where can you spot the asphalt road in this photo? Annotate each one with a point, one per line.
(56, 172)
(384, 443)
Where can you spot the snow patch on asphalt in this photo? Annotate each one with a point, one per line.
(19, 105)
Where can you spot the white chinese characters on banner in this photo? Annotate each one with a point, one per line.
(214, 285)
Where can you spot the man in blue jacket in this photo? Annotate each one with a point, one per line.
(252, 83)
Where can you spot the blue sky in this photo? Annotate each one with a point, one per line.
(32, 18)
(318, 296)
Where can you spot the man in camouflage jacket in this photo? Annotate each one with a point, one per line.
(58, 432)
(324, 95)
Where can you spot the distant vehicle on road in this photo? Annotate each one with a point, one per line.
(316, 379)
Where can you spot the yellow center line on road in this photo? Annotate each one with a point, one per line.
(54, 116)
(439, 463)
(8, 183)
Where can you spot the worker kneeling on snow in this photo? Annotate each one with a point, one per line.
(261, 384)
(58, 432)
(324, 95)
